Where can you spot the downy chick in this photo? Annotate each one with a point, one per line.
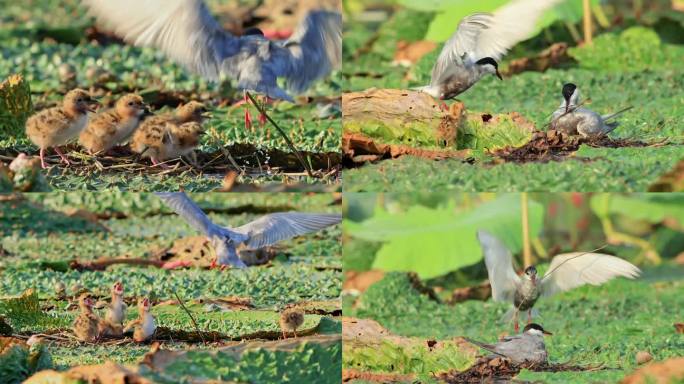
(144, 326)
(87, 324)
(290, 320)
(116, 312)
(114, 126)
(56, 126)
(572, 119)
(161, 137)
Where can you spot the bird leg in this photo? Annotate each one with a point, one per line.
(248, 117)
(515, 321)
(42, 158)
(262, 116)
(295, 333)
(64, 158)
(157, 163)
(284, 336)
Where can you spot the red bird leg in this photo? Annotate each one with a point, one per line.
(42, 158)
(515, 321)
(64, 158)
(248, 117)
(213, 264)
(262, 116)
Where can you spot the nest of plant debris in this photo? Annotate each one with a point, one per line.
(552, 145)
(243, 158)
(495, 369)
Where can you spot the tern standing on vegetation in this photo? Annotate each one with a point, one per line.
(572, 119)
(262, 232)
(527, 347)
(566, 271)
(186, 31)
(479, 43)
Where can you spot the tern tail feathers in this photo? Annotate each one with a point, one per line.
(616, 114)
(488, 347)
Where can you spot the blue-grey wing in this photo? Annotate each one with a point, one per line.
(184, 30)
(315, 49)
(270, 229)
(188, 210)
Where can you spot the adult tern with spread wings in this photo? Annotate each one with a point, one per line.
(186, 31)
(262, 232)
(566, 271)
(479, 43)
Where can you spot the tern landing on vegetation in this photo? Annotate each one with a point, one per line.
(479, 43)
(525, 348)
(572, 119)
(262, 232)
(186, 31)
(566, 271)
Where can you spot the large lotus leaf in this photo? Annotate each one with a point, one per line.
(310, 360)
(432, 242)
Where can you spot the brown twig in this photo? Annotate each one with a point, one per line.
(191, 317)
(282, 133)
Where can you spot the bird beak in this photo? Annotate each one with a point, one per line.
(499, 75)
(207, 115)
(547, 333)
(93, 104)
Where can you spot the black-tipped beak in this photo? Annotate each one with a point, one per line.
(207, 115)
(547, 332)
(499, 75)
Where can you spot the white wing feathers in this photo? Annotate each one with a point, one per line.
(315, 48)
(571, 270)
(270, 229)
(184, 30)
(188, 210)
(499, 261)
(490, 35)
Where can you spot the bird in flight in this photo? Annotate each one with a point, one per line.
(262, 232)
(186, 31)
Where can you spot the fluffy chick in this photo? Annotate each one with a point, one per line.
(56, 126)
(290, 320)
(116, 312)
(166, 137)
(114, 126)
(144, 326)
(87, 325)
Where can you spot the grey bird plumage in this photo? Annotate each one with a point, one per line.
(262, 232)
(525, 348)
(186, 31)
(479, 43)
(566, 271)
(572, 119)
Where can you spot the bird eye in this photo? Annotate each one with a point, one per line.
(79, 99)
(130, 103)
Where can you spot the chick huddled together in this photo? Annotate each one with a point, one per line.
(159, 137)
(89, 327)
